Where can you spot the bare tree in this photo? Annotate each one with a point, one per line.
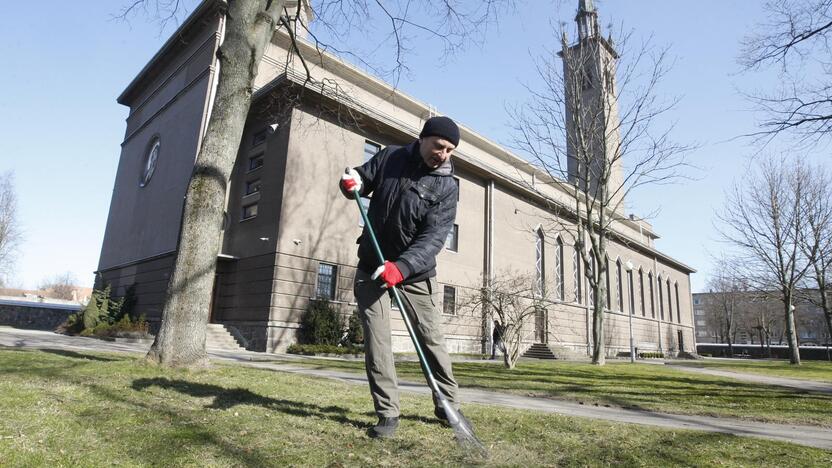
(10, 234)
(249, 26)
(764, 216)
(513, 300)
(816, 240)
(60, 286)
(796, 38)
(593, 129)
(724, 304)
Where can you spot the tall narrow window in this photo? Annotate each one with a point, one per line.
(669, 302)
(592, 269)
(370, 150)
(607, 279)
(539, 280)
(449, 300)
(678, 309)
(630, 291)
(619, 290)
(641, 292)
(652, 295)
(452, 241)
(578, 278)
(559, 292)
(327, 279)
(661, 297)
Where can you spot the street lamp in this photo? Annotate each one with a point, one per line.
(629, 267)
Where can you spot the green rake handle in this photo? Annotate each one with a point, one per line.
(449, 411)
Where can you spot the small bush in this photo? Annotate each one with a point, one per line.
(321, 324)
(355, 332)
(651, 355)
(311, 349)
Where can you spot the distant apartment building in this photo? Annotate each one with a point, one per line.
(289, 235)
(758, 318)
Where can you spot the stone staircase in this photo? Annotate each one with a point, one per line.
(539, 351)
(544, 351)
(219, 337)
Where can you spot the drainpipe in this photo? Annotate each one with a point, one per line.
(488, 267)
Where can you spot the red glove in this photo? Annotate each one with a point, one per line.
(389, 273)
(351, 181)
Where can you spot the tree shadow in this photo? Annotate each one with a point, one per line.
(225, 398)
(76, 355)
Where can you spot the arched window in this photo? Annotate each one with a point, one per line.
(641, 291)
(607, 280)
(559, 283)
(652, 294)
(661, 297)
(669, 302)
(678, 309)
(540, 279)
(592, 269)
(578, 278)
(619, 290)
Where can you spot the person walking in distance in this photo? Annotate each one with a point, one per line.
(412, 209)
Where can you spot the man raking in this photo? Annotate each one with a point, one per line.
(412, 210)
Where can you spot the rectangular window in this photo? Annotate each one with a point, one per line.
(456, 181)
(327, 279)
(252, 186)
(452, 241)
(669, 303)
(250, 211)
(449, 300)
(255, 162)
(370, 150)
(259, 137)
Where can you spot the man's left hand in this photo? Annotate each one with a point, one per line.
(389, 273)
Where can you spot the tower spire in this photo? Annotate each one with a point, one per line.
(587, 19)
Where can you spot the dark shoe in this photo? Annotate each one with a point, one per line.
(440, 414)
(385, 428)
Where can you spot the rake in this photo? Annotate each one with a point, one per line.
(462, 430)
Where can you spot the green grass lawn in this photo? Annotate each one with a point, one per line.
(820, 371)
(644, 386)
(63, 408)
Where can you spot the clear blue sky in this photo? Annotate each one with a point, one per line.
(63, 67)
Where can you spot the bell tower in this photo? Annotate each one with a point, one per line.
(592, 120)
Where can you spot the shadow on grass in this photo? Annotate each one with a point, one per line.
(76, 355)
(225, 398)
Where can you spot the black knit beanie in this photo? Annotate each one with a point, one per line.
(442, 127)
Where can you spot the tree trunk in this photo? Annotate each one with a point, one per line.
(791, 334)
(249, 25)
(598, 349)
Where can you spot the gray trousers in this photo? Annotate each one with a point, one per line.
(374, 307)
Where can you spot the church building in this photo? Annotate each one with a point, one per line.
(290, 237)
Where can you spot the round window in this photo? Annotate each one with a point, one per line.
(150, 162)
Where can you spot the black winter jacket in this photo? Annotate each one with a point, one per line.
(412, 210)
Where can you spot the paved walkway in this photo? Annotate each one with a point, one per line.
(804, 435)
(797, 384)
